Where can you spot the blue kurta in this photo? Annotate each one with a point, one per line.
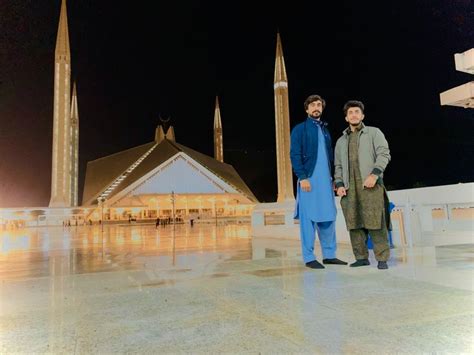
(318, 204)
(316, 209)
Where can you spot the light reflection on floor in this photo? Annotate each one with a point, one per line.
(214, 289)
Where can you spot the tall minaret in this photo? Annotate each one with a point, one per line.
(218, 142)
(282, 125)
(61, 169)
(74, 147)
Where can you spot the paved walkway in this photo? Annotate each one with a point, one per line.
(137, 289)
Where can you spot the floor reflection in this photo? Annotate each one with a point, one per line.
(36, 252)
(139, 288)
(27, 253)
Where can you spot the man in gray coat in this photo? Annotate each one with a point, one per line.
(361, 156)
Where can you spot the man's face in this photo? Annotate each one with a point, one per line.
(315, 109)
(354, 116)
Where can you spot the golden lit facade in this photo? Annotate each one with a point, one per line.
(164, 179)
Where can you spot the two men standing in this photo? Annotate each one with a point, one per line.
(361, 156)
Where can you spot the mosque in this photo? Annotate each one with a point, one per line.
(163, 179)
(159, 179)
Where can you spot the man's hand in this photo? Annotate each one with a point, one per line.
(370, 181)
(305, 185)
(341, 191)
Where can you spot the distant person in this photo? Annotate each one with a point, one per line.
(361, 156)
(157, 223)
(311, 159)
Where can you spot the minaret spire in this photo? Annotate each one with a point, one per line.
(61, 160)
(62, 39)
(170, 134)
(218, 140)
(74, 147)
(280, 70)
(159, 134)
(282, 126)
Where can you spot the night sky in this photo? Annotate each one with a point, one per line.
(135, 61)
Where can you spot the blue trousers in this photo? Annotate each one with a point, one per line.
(327, 238)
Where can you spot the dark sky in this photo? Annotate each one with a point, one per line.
(134, 61)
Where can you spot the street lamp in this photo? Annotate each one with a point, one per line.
(173, 203)
(214, 202)
(215, 210)
(101, 201)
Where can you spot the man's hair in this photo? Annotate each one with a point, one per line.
(313, 98)
(353, 103)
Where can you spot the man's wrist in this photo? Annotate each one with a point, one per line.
(376, 171)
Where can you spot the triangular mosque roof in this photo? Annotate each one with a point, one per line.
(112, 174)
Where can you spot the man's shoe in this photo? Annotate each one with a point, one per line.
(334, 261)
(382, 265)
(315, 265)
(361, 262)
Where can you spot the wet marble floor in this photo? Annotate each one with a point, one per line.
(206, 289)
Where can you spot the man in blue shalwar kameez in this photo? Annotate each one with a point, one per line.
(312, 158)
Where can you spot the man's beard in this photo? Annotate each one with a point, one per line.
(355, 124)
(316, 114)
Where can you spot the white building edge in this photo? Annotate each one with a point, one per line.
(462, 95)
(444, 214)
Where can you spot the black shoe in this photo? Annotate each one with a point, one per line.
(382, 265)
(361, 262)
(315, 265)
(334, 261)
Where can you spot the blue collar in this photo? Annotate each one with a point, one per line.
(318, 122)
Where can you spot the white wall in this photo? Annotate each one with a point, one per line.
(414, 206)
